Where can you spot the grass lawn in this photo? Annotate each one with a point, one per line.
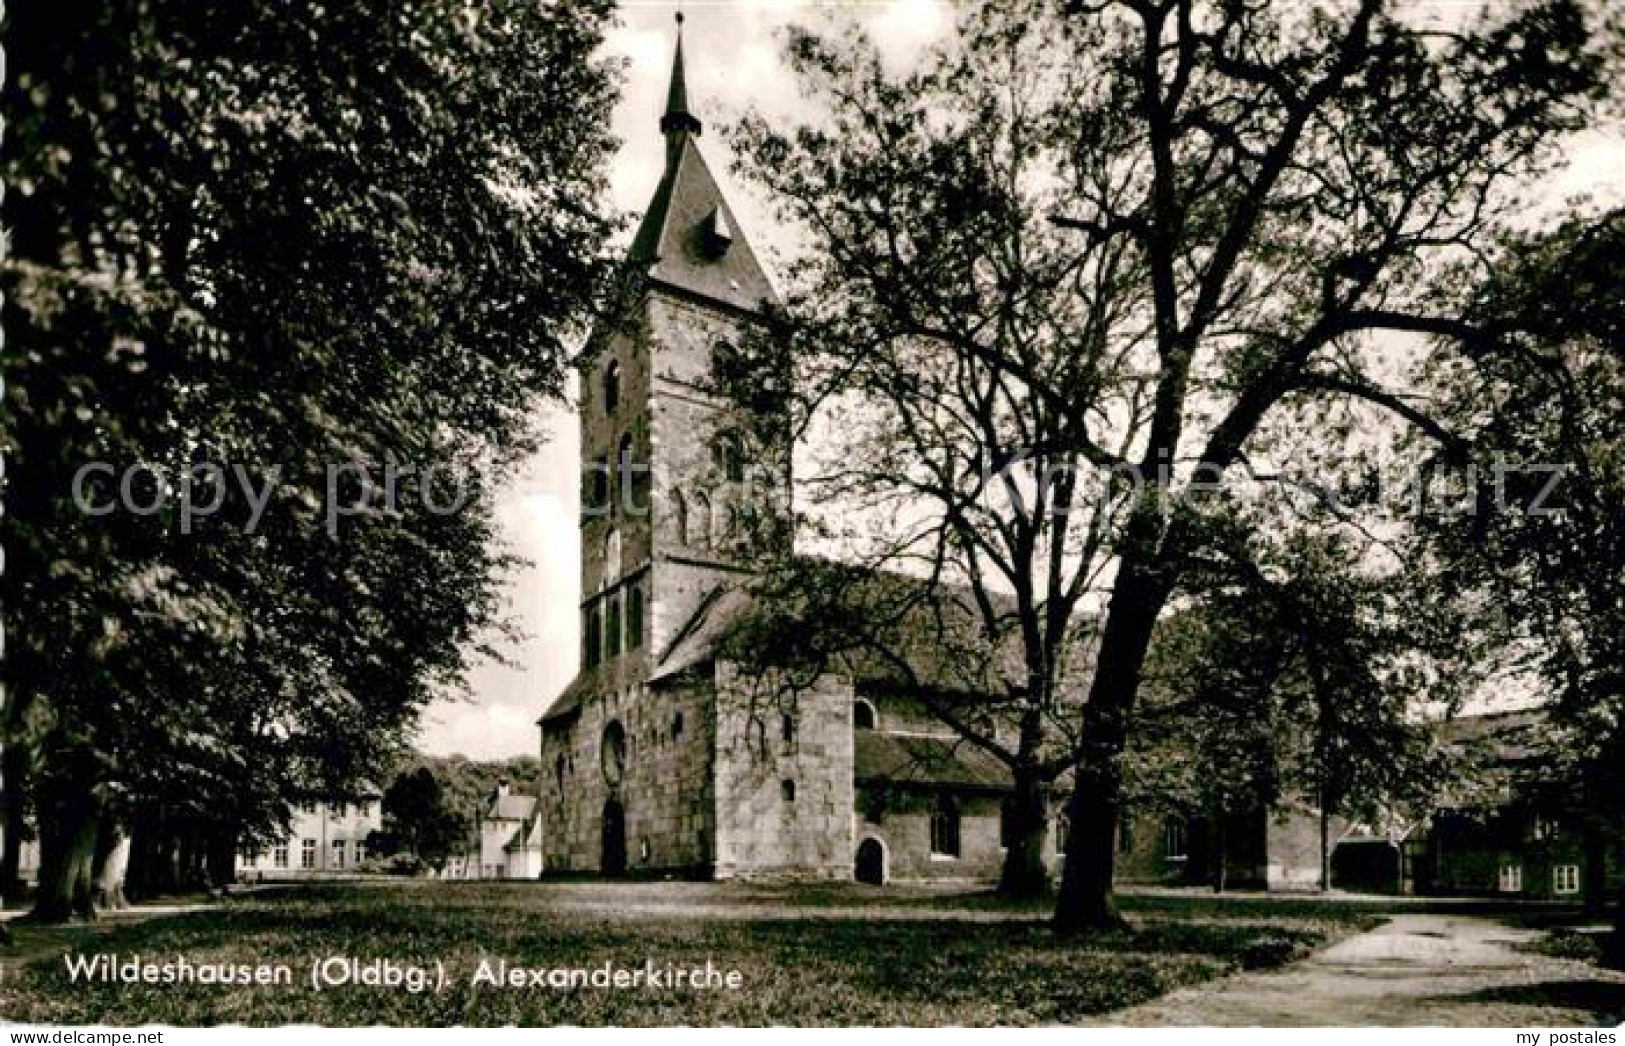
(906, 962)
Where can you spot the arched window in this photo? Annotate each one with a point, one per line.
(612, 557)
(634, 618)
(945, 827)
(612, 387)
(701, 536)
(730, 455)
(590, 638)
(863, 715)
(677, 726)
(612, 627)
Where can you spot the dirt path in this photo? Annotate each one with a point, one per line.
(1428, 970)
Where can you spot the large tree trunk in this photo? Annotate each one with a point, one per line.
(1025, 873)
(222, 857)
(1085, 900)
(1614, 951)
(112, 862)
(14, 767)
(68, 827)
(1325, 847)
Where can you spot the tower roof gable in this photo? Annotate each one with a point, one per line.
(689, 238)
(680, 242)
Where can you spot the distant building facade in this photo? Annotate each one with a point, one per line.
(1532, 838)
(325, 837)
(1525, 834)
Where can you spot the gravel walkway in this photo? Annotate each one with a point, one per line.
(1416, 970)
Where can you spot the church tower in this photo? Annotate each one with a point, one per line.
(671, 466)
(682, 475)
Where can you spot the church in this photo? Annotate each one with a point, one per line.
(657, 759)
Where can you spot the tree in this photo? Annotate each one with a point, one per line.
(1544, 543)
(1251, 194)
(417, 817)
(1299, 671)
(309, 245)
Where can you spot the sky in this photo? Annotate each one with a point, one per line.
(733, 58)
(733, 54)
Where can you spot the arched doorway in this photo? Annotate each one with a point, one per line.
(871, 863)
(613, 859)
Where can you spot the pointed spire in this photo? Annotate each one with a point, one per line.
(678, 119)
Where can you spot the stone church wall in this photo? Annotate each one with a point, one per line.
(902, 824)
(783, 807)
(665, 791)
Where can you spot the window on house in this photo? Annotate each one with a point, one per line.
(307, 853)
(1566, 878)
(360, 850)
(341, 811)
(677, 726)
(612, 627)
(945, 827)
(279, 855)
(863, 715)
(338, 853)
(558, 770)
(634, 618)
(787, 728)
(787, 791)
(612, 387)
(1173, 840)
(1511, 879)
(590, 638)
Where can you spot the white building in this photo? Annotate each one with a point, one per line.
(324, 837)
(509, 841)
